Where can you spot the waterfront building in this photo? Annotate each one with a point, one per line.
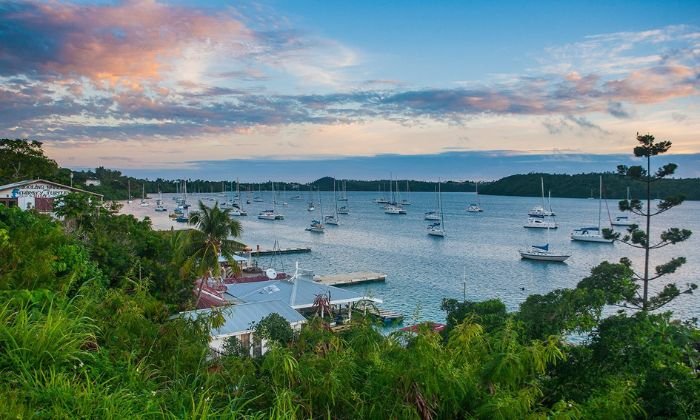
(240, 321)
(36, 194)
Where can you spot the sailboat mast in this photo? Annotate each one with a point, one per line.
(442, 216)
(600, 200)
(542, 182)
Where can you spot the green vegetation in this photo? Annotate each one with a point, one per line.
(86, 331)
(641, 238)
(89, 334)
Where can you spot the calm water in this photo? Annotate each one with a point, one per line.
(480, 250)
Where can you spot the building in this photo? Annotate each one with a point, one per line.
(300, 294)
(36, 194)
(93, 182)
(240, 321)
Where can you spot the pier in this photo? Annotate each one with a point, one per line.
(344, 279)
(281, 251)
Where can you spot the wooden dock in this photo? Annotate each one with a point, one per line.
(345, 279)
(264, 252)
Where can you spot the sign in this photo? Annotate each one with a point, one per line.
(38, 191)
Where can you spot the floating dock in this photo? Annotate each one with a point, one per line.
(345, 279)
(282, 251)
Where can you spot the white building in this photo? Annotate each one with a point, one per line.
(36, 194)
(240, 321)
(93, 182)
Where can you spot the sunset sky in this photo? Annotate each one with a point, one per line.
(225, 88)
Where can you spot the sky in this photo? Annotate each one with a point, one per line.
(303, 89)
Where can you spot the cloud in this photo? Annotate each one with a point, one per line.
(616, 109)
(140, 69)
(126, 43)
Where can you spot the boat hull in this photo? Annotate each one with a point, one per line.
(540, 226)
(536, 256)
(590, 238)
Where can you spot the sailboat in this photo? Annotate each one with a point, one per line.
(159, 203)
(406, 201)
(237, 209)
(592, 234)
(311, 206)
(475, 207)
(144, 203)
(623, 220)
(129, 189)
(393, 207)
(438, 228)
(333, 218)
(258, 198)
(344, 209)
(316, 226)
(542, 253)
(380, 199)
(541, 211)
(434, 214)
(271, 214)
(344, 193)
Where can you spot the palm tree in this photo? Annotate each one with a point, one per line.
(211, 240)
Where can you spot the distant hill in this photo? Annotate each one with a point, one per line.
(586, 185)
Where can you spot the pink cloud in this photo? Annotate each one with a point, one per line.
(127, 44)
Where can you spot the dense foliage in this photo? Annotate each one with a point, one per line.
(86, 330)
(88, 335)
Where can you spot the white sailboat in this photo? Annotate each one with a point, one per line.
(540, 211)
(159, 203)
(144, 203)
(406, 201)
(258, 198)
(380, 198)
(542, 253)
(592, 234)
(393, 207)
(344, 209)
(237, 208)
(434, 214)
(316, 226)
(344, 193)
(438, 228)
(624, 220)
(271, 214)
(129, 189)
(332, 219)
(475, 207)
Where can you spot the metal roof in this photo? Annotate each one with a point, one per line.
(240, 318)
(306, 292)
(34, 181)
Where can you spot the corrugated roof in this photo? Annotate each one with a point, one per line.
(34, 181)
(306, 292)
(241, 317)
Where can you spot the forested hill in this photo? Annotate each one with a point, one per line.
(585, 185)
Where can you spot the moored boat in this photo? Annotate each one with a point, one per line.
(542, 253)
